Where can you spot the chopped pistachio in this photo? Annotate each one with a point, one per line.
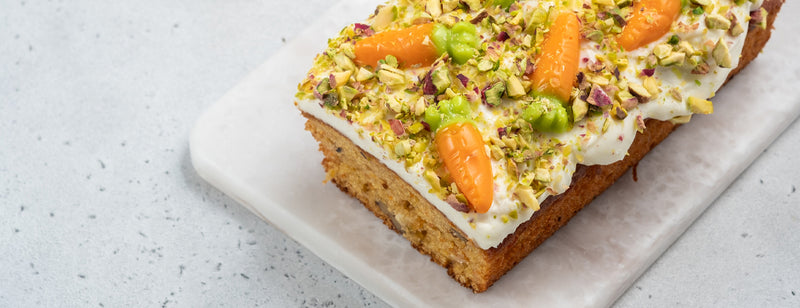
(674, 40)
(527, 178)
(390, 60)
(595, 36)
(687, 48)
(441, 79)
(716, 21)
(676, 94)
(391, 76)
(527, 197)
(651, 60)
(341, 77)
(681, 119)
(434, 7)
(348, 49)
(432, 179)
(450, 93)
(495, 93)
(415, 128)
(618, 112)
(485, 65)
(343, 62)
(624, 95)
(639, 90)
(624, 3)
(474, 5)
(511, 166)
(721, 54)
(419, 107)
(539, 16)
(699, 105)
(346, 94)
(420, 145)
(604, 2)
(509, 142)
(736, 30)
(395, 104)
(762, 21)
(497, 153)
(514, 87)
(597, 79)
(449, 5)
(324, 86)
(579, 109)
(621, 62)
(364, 74)
(662, 51)
(651, 84)
(402, 148)
(695, 60)
(675, 58)
(384, 17)
(542, 175)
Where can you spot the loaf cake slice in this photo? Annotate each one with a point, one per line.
(377, 106)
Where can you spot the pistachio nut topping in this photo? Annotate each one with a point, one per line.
(474, 61)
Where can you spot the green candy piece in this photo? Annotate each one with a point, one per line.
(547, 114)
(460, 41)
(450, 111)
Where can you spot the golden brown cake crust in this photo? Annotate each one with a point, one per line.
(405, 211)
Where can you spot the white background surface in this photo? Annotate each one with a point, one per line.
(100, 204)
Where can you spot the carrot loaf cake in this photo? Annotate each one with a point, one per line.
(476, 129)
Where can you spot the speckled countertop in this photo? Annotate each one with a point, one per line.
(100, 205)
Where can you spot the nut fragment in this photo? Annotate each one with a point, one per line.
(651, 84)
(681, 119)
(384, 17)
(662, 51)
(542, 175)
(758, 18)
(514, 87)
(639, 90)
(419, 107)
(579, 109)
(344, 62)
(434, 7)
(721, 54)
(675, 58)
(699, 105)
(527, 196)
(391, 76)
(736, 26)
(364, 74)
(432, 179)
(716, 21)
(341, 78)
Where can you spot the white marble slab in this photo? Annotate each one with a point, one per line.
(251, 145)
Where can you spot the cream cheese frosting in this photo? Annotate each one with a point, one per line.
(599, 138)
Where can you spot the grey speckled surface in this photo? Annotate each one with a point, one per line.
(100, 205)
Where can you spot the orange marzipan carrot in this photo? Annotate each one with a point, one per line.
(410, 46)
(557, 67)
(649, 21)
(461, 148)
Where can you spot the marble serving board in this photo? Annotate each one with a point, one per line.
(251, 145)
